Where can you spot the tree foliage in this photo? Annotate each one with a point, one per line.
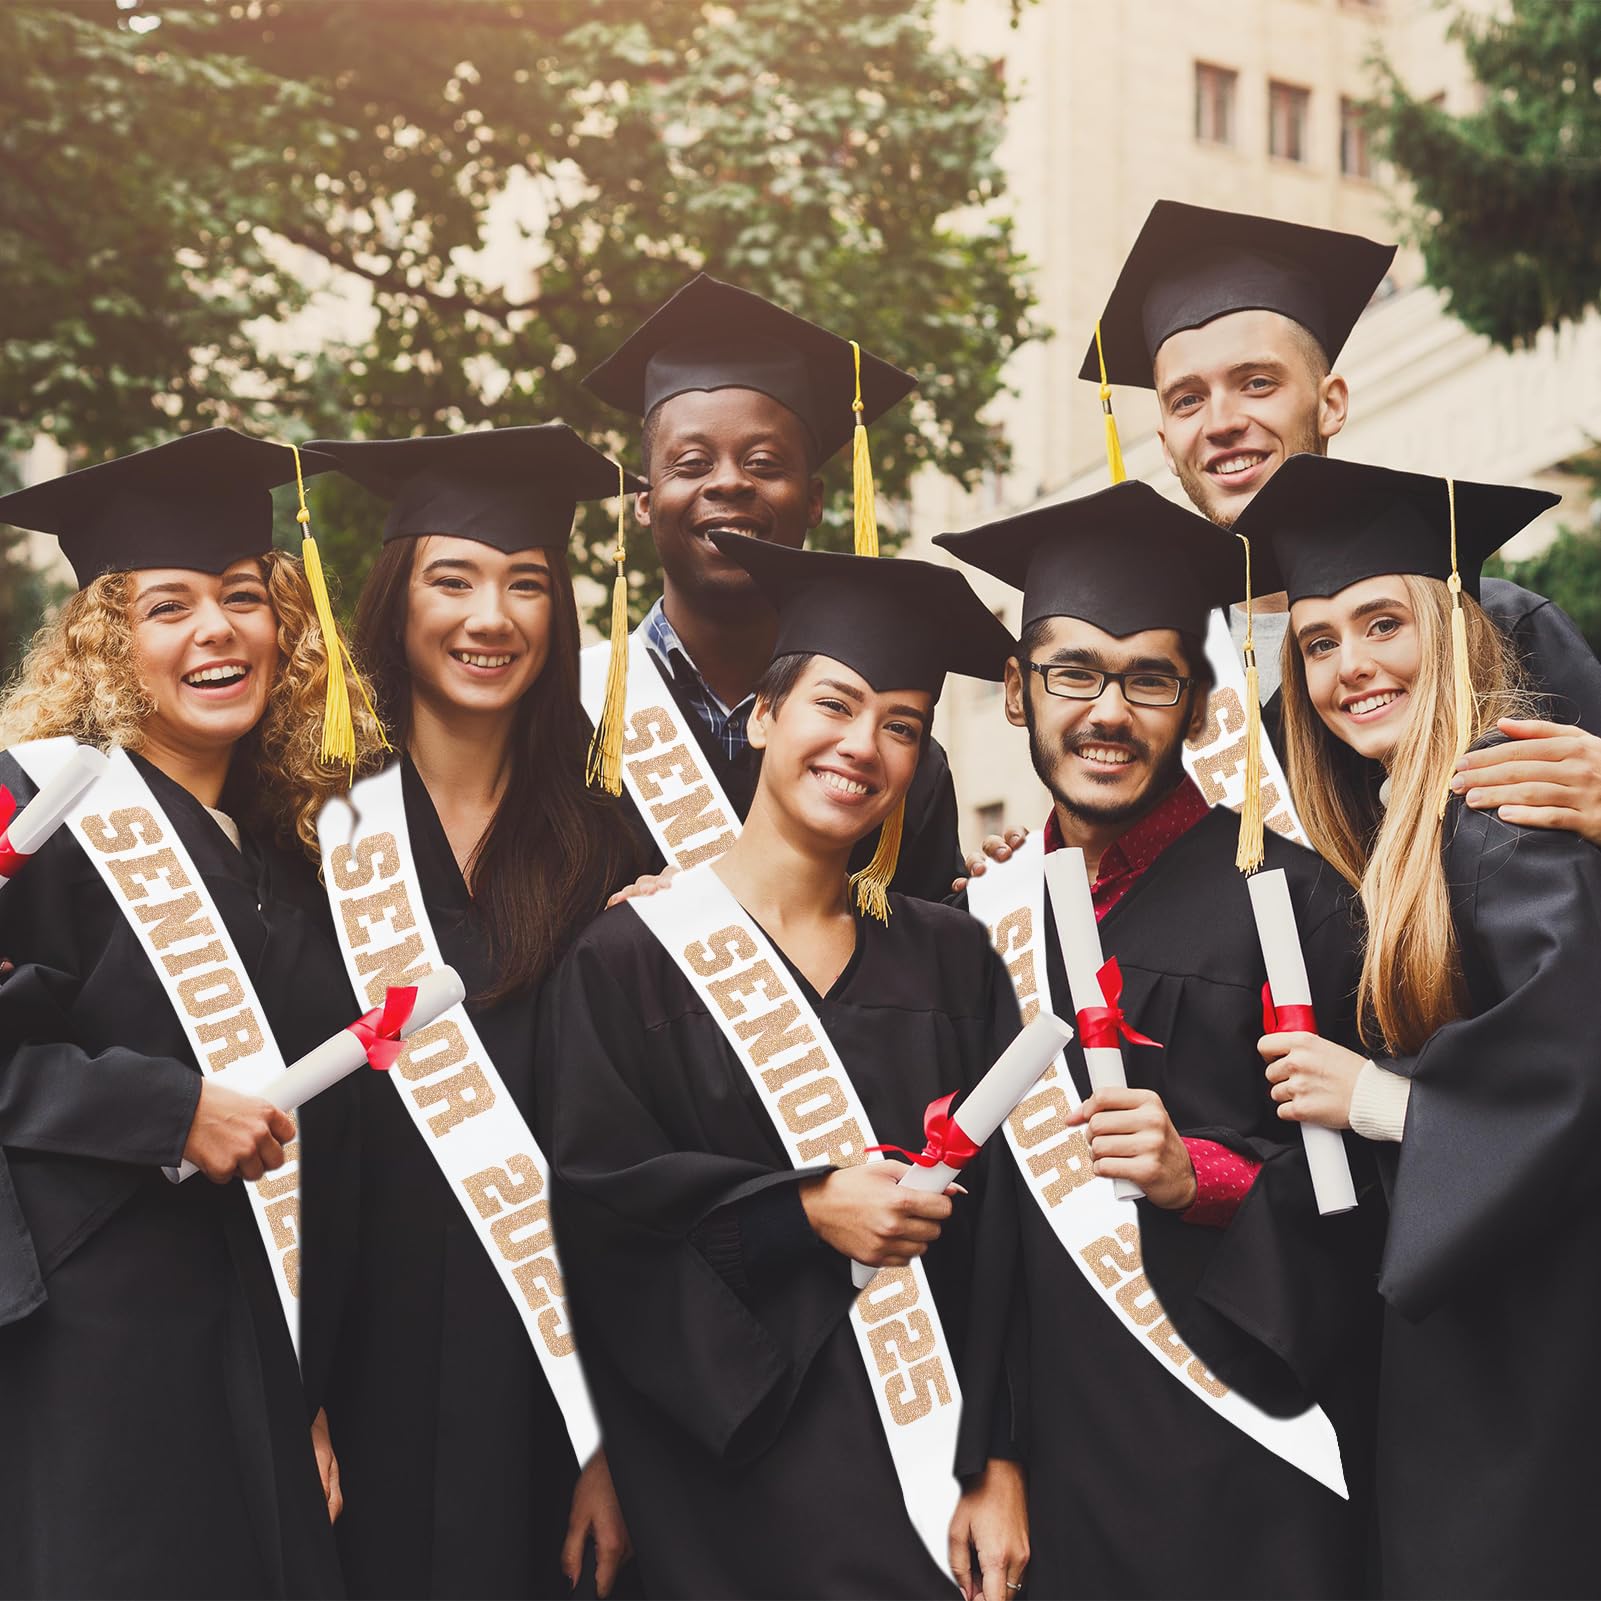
(1507, 199)
(183, 177)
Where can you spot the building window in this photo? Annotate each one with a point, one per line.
(1287, 109)
(1356, 160)
(1214, 103)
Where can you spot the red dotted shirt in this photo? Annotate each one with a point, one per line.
(1223, 1177)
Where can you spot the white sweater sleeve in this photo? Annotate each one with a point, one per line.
(1378, 1104)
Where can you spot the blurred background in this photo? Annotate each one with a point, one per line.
(387, 217)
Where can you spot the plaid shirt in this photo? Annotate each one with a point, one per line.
(727, 725)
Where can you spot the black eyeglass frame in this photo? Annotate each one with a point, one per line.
(1045, 669)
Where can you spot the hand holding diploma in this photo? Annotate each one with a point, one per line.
(1289, 1005)
(954, 1141)
(374, 1039)
(22, 833)
(1095, 1000)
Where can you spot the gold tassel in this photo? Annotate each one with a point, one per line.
(1462, 680)
(1114, 448)
(872, 883)
(605, 765)
(864, 500)
(338, 725)
(1249, 854)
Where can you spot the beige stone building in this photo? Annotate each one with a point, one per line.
(1123, 102)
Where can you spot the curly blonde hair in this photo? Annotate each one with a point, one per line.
(79, 678)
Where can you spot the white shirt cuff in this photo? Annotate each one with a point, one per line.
(1378, 1104)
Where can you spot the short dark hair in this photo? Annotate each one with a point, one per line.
(1193, 647)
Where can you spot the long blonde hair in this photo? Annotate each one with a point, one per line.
(1411, 980)
(79, 678)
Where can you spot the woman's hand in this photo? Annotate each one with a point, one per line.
(596, 1515)
(1313, 1078)
(863, 1213)
(236, 1136)
(991, 1519)
(1132, 1137)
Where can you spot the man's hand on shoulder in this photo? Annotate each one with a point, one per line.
(1548, 776)
(645, 884)
(995, 848)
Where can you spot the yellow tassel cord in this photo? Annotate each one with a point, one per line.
(1114, 448)
(1248, 856)
(338, 726)
(865, 502)
(605, 766)
(872, 883)
(1461, 678)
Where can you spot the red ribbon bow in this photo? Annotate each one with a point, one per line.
(379, 1029)
(1101, 1027)
(946, 1141)
(10, 860)
(1285, 1019)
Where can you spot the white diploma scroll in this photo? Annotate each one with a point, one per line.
(989, 1103)
(57, 796)
(336, 1058)
(1079, 936)
(1286, 977)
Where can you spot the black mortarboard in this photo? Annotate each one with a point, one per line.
(1125, 559)
(512, 488)
(901, 623)
(1191, 264)
(1319, 525)
(711, 335)
(201, 501)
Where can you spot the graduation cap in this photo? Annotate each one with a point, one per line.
(901, 624)
(1191, 264)
(510, 488)
(1125, 559)
(1323, 525)
(201, 502)
(1320, 525)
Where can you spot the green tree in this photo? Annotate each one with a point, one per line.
(1507, 199)
(833, 155)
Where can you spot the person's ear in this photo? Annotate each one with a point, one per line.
(756, 724)
(1016, 689)
(1167, 455)
(1200, 706)
(642, 508)
(814, 503)
(1333, 405)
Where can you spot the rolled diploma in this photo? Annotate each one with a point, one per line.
(1286, 977)
(989, 1103)
(46, 812)
(1079, 935)
(324, 1065)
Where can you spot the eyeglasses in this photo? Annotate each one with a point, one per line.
(1140, 688)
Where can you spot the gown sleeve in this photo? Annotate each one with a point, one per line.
(643, 1223)
(1557, 657)
(1505, 1110)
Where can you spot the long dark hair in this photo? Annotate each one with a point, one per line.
(556, 848)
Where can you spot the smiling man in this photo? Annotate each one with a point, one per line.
(1236, 321)
(742, 404)
(1142, 1481)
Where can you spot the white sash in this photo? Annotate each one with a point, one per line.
(665, 771)
(447, 1081)
(1215, 758)
(1086, 1216)
(795, 1069)
(143, 863)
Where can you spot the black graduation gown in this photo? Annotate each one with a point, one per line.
(930, 855)
(741, 1431)
(455, 1463)
(1561, 667)
(156, 1438)
(1136, 1487)
(1490, 1398)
